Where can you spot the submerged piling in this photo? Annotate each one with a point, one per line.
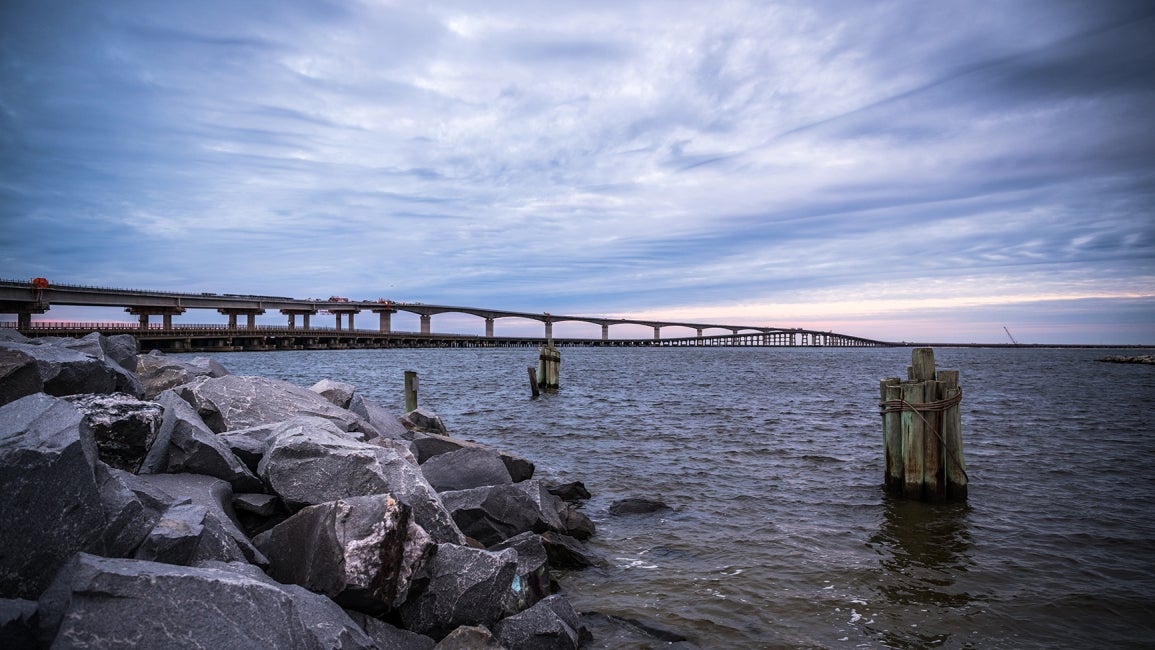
(922, 432)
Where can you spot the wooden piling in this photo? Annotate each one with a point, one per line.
(890, 389)
(410, 391)
(533, 381)
(549, 367)
(922, 431)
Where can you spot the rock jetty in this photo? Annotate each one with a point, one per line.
(150, 501)
(1118, 358)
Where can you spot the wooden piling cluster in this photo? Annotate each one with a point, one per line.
(548, 367)
(922, 432)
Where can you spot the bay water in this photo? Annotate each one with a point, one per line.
(779, 534)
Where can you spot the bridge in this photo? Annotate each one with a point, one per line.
(24, 299)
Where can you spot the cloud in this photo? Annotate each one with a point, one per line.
(587, 157)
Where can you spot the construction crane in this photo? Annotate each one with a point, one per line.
(1013, 341)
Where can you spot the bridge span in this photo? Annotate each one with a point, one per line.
(24, 299)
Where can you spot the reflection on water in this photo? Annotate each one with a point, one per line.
(924, 548)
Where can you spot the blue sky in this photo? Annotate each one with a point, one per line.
(897, 170)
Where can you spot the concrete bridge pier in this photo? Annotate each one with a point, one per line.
(426, 323)
(699, 332)
(488, 328)
(304, 313)
(350, 311)
(145, 312)
(384, 319)
(657, 332)
(605, 331)
(249, 313)
(548, 329)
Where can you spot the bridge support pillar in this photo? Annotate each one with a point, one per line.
(426, 323)
(249, 313)
(143, 313)
(384, 319)
(605, 331)
(292, 314)
(488, 328)
(24, 320)
(657, 332)
(337, 311)
(548, 330)
(699, 332)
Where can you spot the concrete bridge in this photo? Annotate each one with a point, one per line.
(26, 298)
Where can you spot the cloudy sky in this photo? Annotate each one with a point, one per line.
(903, 170)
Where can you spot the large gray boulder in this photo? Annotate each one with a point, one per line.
(159, 372)
(189, 533)
(129, 517)
(237, 402)
(389, 637)
(189, 527)
(551, 624)
(311, 461)
(123, 426)
(98, 602)
(339, 393)
(468, 467)
(186, 444)
(422, 420)
(67, 372)
(359, 551)
(19, 375)
(459, 586)
(534, 579)
(495, 513)
(470, 637)
(385, 422)
(429, 446)
(50, 505)
(118, 352)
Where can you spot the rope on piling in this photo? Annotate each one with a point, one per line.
(898, 405)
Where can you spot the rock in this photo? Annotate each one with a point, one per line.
(465, 468)
(565, 552)
(356, 551)
(459, 586)
(1143, 358)
(19, 375)
(310, 461)
(619, 632)
(18, 623)
(216, 497)
(330, 626)
(159, 372)
(234, 402)
(424, 421)
(571, 492)
(551, 623)
(50, 506)
(249, 444)
(187, 534)
(494, 514)
(118, 351)
(636, 506)
(386, 423)
(68, 372)
(262, 505)
(469, 637)
(389, 637)
(576, 524)
(428, 446)
(532, 571)
(124, 427)
(128, 517)
(98, 602)
(186, 444)
(339, 393)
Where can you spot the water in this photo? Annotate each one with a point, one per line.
(780, 535)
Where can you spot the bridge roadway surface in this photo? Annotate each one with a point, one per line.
(23, 299)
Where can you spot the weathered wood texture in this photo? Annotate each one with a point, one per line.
(922, 432)
(549, 367)
(410, 390)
